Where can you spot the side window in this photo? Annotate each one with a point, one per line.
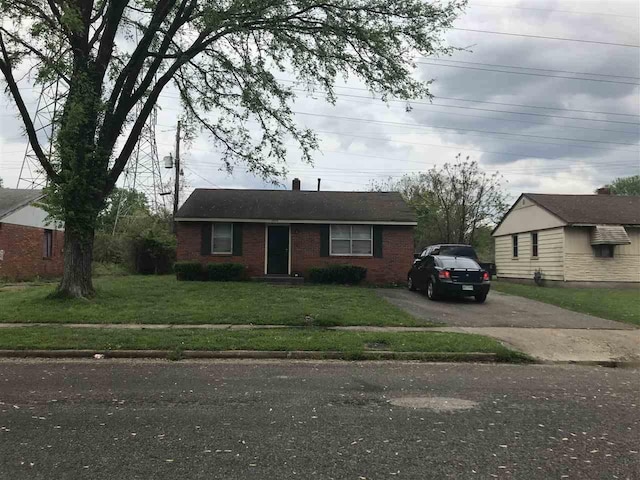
(514, 242)
(534, 244)
(47, 244)
(603, 251)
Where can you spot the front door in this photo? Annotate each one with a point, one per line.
(277, 249)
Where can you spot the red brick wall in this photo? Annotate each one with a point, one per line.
(397, 251)
(397, 254)
(189, 242)
(23, 247)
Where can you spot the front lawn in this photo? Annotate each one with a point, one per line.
(282, 339)
(613, 304)
(162, 299)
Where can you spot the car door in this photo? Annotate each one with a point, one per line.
(423, 271)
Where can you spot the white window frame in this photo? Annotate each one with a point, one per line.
(350, 254)
(213, 225)
(535, 254)
(515, 247)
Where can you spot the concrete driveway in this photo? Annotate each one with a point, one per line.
(499, 310)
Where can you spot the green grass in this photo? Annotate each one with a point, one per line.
(614, 304)
(285, 339)
(162, 299)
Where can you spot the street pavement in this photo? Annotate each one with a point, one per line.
(115, 419)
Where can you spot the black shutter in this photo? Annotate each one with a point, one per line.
(377, 241)
(205, 246)
(324, 240)
(237, 239)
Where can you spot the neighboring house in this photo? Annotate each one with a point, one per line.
(29, 245)
(571, 238)
(286, 232)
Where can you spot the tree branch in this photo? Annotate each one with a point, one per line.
(5, 67)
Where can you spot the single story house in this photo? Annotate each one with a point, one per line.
(286, 232)
(571, 239)
(30, 245)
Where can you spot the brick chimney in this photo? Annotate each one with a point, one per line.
(603, 191)
(295, 184)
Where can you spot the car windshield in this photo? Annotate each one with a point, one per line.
(458, 251)
(458, 262)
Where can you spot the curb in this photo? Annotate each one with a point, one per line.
(474, 357)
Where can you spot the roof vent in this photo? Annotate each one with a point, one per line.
(295, 184)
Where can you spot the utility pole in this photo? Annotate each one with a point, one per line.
(176, 193)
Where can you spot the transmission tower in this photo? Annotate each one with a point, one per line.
(32, 175)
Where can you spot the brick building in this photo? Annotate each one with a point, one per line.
(29, 245)
(285, 232)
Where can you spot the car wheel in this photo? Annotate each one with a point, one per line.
(431, 291)
(410, 285)
(480, 298)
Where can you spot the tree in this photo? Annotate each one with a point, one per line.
(454, 204)
(120, 202)
(625, 185)
(116, 57)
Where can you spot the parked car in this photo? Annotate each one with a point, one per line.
(457, 250)
(443, 275)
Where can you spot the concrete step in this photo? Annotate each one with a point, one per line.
(279, 279)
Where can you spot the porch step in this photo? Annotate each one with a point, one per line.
(279, 279)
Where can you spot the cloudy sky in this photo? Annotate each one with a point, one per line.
(501, 103)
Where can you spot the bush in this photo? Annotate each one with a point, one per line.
(224, 272)
(189, 271)
(342, 274)
(154, 254)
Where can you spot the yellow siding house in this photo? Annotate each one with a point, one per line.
(570, 239)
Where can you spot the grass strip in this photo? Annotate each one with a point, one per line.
(622, 305)
(162, 299)
(304, 339)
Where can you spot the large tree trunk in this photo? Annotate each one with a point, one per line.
(78, 254)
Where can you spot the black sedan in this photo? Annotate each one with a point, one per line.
(441, 276)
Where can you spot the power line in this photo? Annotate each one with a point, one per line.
(553, 10)
(529, 74)
(508, 104)
(529, 68)
(547, 38)
(497, 118)
(466, 129)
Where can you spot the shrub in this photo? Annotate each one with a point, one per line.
(154, 254)
(189, 271)
(342, 274)
(224, 272)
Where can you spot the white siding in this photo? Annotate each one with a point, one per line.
(582, 265)
(526, 216)
(31, 216)
(549, 261)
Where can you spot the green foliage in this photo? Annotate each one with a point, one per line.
(625, 185)
(455, 203)
(120, 205)
(189, 271)
(212, 272)
(154, 254)
(337, 274)
(225, 272)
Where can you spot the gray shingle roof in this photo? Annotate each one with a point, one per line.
(291, 205)
(591, 209)
(12, 199)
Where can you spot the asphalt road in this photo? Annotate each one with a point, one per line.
(499, 310)
(334, 420)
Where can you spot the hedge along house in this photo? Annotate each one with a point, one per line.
(30, 246)
(571, 239)
(286, 232)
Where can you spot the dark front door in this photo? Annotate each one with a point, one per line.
(277, 250)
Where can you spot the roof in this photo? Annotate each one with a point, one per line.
(609, 235)
(591, 209)
(12, 199)
(296, 206)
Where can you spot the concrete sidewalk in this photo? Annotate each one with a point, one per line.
(564, 344)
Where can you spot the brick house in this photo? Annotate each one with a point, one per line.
(29, 245)
(286, 232)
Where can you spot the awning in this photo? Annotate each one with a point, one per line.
(609, 235)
